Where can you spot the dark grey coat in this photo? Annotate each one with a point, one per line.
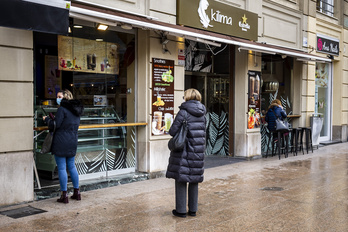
(188, 165)
(67, 121)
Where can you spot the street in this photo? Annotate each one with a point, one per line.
(300, 193)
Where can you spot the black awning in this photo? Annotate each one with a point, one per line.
(33, 16)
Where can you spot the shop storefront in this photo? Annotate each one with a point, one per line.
(98, 67)
(324, 84)
(132, 76)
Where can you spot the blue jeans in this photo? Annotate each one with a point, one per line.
(62, 162)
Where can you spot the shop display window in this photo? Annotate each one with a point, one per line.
(98, 67)
(276, 83)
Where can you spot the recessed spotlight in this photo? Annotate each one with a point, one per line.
(102, 27)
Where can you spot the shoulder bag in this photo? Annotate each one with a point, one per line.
(281, 125)
(47, 143)
(177, 143)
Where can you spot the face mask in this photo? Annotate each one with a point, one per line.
(59, 100)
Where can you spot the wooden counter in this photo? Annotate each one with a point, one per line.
(108, 125)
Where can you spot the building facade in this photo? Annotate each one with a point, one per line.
(132, 76)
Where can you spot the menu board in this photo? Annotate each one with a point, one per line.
(83, 55)
(162, 95)
(53, 77)
(254, 83)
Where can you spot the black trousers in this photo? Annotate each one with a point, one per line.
(181, 196)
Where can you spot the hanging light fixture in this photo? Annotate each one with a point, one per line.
(272, 84)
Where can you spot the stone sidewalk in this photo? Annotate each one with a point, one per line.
(300, 193)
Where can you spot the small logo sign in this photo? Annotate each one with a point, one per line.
(204, 18)
(243, 24)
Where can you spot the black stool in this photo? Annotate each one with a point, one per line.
(308, 139)
(293, 144)
(282, 144)
(298, 146)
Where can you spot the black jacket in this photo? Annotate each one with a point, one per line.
(187, 166)
(67, 121)
(271, 118)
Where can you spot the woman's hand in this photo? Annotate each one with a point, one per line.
(44, 117)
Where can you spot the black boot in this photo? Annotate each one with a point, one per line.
(76, 194)
(183, 215)
(190, 213)
(63, 198)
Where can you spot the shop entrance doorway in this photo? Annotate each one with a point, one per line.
(215, 90)
(323, 98)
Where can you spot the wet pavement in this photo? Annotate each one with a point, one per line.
(300, 193)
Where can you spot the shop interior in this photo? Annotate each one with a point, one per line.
(207, 69)
(97, 66)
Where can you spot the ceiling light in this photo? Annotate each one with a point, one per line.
(126, 26)
(99, 40)
(102, 27)
(77, 26)
(256, 50)
(203, 41)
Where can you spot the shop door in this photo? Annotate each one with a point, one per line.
(215, 90)
(217, 115)
(323, 98)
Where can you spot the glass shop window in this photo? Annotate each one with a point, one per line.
(276, 81)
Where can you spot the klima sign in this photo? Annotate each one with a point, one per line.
(217, 17)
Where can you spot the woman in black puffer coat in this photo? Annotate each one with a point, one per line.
(64, 144)
(187, 166)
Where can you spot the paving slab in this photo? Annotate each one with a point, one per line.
(299, 193)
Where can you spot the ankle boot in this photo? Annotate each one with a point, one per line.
(76, 195)
(63, 198)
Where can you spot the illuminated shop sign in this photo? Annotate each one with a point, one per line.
(217, 17)
(328, 45)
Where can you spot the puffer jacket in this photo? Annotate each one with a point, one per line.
(188, 165)
(67, 121)
(271, 118)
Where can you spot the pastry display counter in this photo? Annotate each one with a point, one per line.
(102, 141)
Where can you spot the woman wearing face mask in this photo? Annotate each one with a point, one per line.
(64, 142)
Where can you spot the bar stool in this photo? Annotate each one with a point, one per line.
(293, 140)
(282, 144)
(297, 139)
(308, 137)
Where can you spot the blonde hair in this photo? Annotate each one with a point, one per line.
(67, 94)
(275, 102)
(192, 94)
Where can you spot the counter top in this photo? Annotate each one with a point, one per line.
(107, 125)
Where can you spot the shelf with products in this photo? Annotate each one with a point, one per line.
(89, 139)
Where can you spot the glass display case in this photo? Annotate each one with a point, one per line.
(100, 148)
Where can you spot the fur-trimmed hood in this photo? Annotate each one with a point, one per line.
(73, 105)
